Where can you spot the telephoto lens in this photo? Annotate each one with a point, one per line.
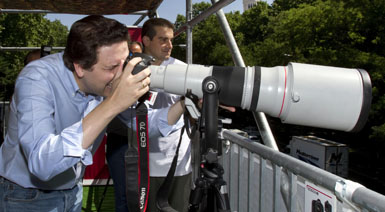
(301, 94)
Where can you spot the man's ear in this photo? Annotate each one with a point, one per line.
(146, 40)
(79, 70)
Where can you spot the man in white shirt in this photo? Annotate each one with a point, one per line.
(157, 35)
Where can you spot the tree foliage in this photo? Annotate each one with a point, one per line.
(209, 45)
(24, 30)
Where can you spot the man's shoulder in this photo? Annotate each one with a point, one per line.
(45, 67)
(172, 60)
(51, 69)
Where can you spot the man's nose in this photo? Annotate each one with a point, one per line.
(169, 44)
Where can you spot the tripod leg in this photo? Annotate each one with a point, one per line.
(197, 195)
(221, 200)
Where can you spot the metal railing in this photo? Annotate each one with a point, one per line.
(263, 179)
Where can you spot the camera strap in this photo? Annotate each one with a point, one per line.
(143, 155)
(164, 190)
(142, 134)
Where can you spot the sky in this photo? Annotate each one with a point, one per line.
(169, 9)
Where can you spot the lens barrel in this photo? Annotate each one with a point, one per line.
(300, 94)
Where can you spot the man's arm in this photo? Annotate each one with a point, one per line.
(175, 112)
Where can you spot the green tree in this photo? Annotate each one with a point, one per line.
(254, 27)
(281, 5)
(320, 33)
(24, 30)
(179, 42)
(333, 33)
(209, 45)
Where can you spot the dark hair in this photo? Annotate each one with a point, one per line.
(31, 56)
(87, 35)
(148, 28)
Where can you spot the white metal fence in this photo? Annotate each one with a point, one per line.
(262, 179)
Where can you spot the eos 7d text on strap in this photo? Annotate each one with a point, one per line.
(142, 136)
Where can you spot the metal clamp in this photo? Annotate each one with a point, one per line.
(344, 190)
(226, 142)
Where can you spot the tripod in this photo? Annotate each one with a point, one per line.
(210, 192)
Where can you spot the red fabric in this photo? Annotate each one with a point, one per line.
(135, 33)
(99, 168)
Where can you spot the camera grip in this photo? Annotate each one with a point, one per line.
(146, 61)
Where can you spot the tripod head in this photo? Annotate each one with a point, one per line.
(210, 193)
(209, 119)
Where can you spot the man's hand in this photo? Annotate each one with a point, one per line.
(130, 87)
(229, 108)
(177, 109)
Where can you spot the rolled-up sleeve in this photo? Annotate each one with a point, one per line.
(159, 117)
(72, 145)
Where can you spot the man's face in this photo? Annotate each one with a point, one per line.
(160, 46)
(100, 79)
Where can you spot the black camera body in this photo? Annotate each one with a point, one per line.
(146, 61)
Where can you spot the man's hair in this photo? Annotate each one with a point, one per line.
(148, 28)
(32, 55)
(87, 35)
